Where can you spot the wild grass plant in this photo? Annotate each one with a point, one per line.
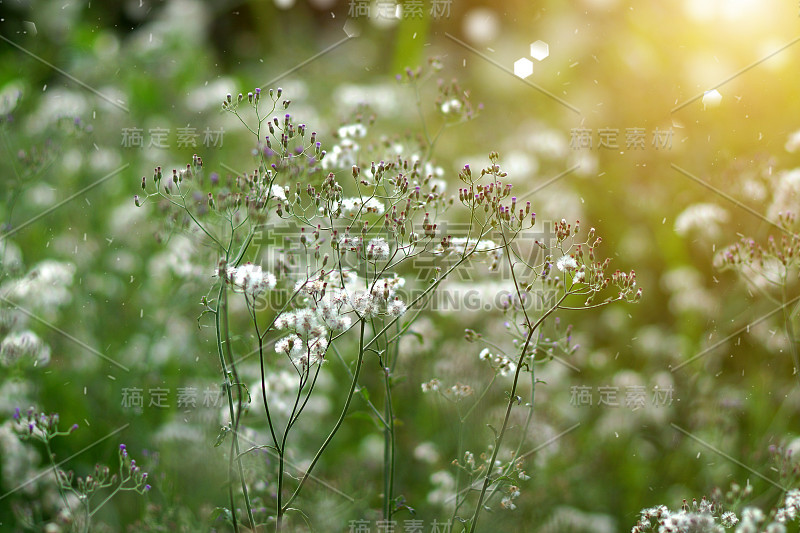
(335, 285)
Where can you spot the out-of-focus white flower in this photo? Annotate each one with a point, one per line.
(352, 131)
(566, 518)
(386, 99)
(56, 104)
(426, 452)
(451, 106)
(179, 258)
(11, 257)
(24, 344)
(775, 527)
(18, 460)
(793, 142)
(688, 292)
(207, 96)
(786, 195)
(352, 206)
(548, 143)
(45, 286)
(444, 490)
(703, 218)
(342, 155)
(752, 514)
(177, 431)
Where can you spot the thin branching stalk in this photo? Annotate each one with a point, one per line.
(787, 319)
(353, 384)
(220, 310)
(487, 480)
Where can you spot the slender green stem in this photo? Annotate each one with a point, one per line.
(235, 452)
(388, 447)
(510, 467)
(220, 308)
(51, 458)
(787, 317)
(353, 383)
(487, 480)
(360, 390)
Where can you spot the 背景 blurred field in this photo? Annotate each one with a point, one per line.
(691, 389)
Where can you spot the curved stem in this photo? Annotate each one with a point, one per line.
(512, 395)
(787, 318)
(339, 422)
(222, 307)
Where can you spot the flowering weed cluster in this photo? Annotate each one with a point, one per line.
(361, 213)
(78, 494)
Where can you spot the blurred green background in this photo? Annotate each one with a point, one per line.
(78, 78)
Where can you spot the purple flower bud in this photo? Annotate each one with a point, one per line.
(16, 413)
(147, 487)
(121, 447)
(73, 428)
